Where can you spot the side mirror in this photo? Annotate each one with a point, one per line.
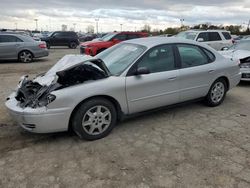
(142, 70)
(224, 48)
(200, 39)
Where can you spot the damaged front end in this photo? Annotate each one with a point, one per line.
(34, 94)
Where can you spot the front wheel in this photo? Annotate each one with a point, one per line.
(94, 119)
(217, 93)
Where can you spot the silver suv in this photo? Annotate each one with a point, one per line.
(217, 39)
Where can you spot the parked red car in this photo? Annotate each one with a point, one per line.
(94, 47)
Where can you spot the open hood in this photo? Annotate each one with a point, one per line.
(70, 70)
(67, 62)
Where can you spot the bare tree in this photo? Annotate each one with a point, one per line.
(90, 29)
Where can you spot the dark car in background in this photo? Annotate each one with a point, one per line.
(62, 38)
(94, 47)
(21, 47)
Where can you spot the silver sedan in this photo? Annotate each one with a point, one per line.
(21, 47)
(90, 94)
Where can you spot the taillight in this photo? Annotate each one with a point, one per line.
(42, 45)
(233, 41)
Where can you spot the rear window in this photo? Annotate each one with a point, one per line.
(227, 35)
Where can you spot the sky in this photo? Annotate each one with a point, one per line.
(132, 14)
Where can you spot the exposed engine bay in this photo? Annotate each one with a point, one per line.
(31, 93)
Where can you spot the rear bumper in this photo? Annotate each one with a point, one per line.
(39, 120)
(42, 53)
(235, 80)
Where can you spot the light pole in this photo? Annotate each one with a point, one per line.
(36, 23)
(182, 20)
(97, 20)
(74, 26)
(16, 25)
(121, 26)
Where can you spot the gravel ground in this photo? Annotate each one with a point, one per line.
(187, 146)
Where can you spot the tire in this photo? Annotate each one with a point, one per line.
(48, 45)
(94, 119)
(25, 56)
(217, 93)
(72, 45)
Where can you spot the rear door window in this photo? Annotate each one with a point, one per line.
(191, 56)
(214, 36)
(9, 38)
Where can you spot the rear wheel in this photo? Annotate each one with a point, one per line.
(25, 56)
(94, 119)
(72, 45)
(217, 93)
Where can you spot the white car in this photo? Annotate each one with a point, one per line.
(217, 39)
(91, 95)
(241, 52)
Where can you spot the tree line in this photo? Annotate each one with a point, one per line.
(234, 29)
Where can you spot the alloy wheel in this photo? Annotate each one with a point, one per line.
(96, 120)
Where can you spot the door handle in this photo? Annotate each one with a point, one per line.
(210, 71)
(172, 78)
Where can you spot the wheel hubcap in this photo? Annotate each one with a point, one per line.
(217, 92)
(26, 56)
(96, 120)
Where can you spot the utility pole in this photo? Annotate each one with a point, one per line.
(36, 23)
(97, 20)
(74, 26)
(182, 20)
(248, 26)
(121, 26)
(16, 25)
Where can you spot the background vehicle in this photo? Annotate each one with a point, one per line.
(94, 47)
(240, 51)
(91, 94)
(62, 38)
(87, 37)
(21, 47)
(217, 39)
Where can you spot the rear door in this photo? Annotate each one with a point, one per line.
(215, 40)
(197, 71)
(158, 88)
(8, 46)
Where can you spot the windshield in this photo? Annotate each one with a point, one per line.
(108, 36)
(187, 35)
(242, 45)
(120, 57)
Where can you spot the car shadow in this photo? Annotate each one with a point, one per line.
(19, 62)
(244, 84)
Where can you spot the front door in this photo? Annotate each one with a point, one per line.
(158, 88)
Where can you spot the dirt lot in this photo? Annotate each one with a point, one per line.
(189, 146)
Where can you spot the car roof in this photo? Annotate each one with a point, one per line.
(150, 42)
(209, 30)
